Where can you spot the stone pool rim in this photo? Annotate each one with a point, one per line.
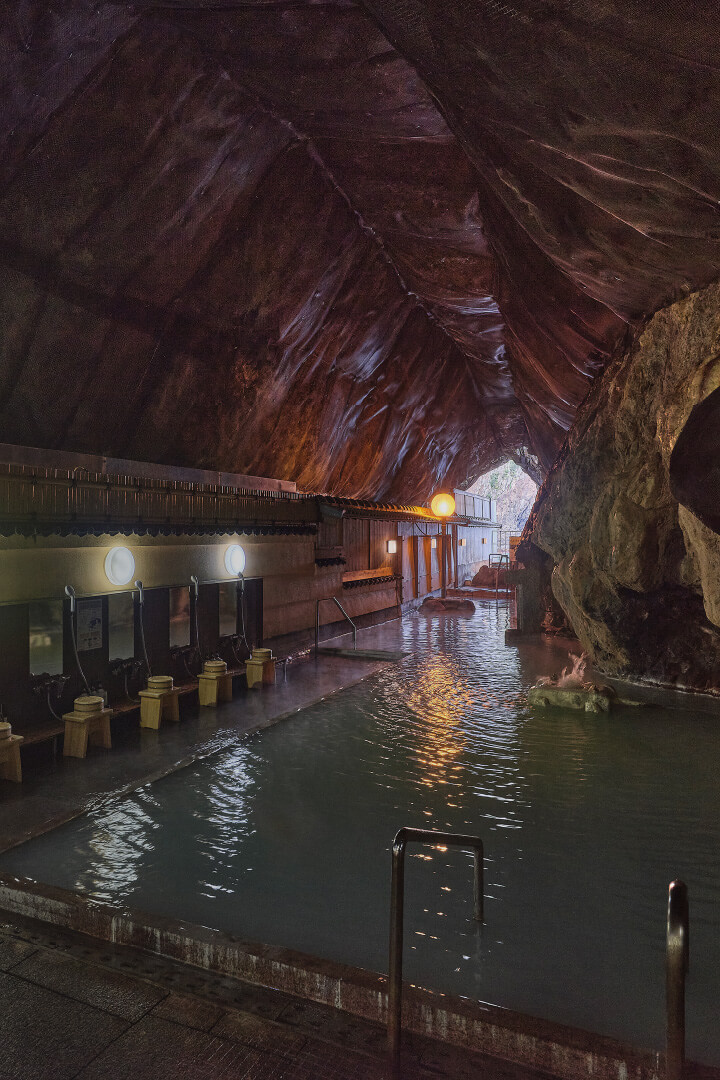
(223, 740)
(558, 1049)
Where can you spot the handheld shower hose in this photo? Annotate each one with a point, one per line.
(141, 603)
(195, 592)
(69, 591)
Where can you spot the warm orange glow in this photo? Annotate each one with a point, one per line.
(442, 505)
(443, 698)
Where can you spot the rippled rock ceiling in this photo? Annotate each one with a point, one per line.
(368, 246)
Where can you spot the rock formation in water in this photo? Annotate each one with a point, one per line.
(629, 513)
(368, 246)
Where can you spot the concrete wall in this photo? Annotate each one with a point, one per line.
(292, 581)
(420, 561)
(480, 543)
(478, 506)
(421, 567)
(38, 569)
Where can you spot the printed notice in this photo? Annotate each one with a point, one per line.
(89, 625)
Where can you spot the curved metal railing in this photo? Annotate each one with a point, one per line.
(677, 962)
(317, 620)
(397, 897)
(677, 945)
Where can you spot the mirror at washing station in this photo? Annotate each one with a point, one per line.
(228, 605)
(179, 617)
(121, 625)
(46, 636)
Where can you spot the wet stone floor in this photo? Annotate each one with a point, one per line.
(72, 1007)
(57, 788)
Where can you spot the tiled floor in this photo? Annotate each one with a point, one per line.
(74, 1008)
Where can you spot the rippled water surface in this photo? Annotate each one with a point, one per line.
(586, 819)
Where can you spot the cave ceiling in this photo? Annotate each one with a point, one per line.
(372, 247)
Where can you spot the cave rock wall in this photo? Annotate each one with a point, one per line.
(637, 573)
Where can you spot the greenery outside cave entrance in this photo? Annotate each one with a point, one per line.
(515, 493)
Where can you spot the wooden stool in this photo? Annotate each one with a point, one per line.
(214, 684)
(89, 722)
(260, 668)
(10, 767)
(159, 702)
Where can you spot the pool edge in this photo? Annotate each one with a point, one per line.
(222, 740)
(563, 1051)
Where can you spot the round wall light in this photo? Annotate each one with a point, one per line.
(442, 505)
(119, 565)
(234, 560)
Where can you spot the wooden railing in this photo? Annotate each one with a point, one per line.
(31, 495)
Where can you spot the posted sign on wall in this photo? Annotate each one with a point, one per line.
(513, 543)
(89, 625)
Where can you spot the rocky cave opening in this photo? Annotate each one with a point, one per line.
(515, 492)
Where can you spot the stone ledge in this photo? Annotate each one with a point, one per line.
(563, 1051)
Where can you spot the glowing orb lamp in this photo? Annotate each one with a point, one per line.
(119, 566)
(234, 560)
(442, 505)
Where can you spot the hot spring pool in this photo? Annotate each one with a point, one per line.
(285, 839)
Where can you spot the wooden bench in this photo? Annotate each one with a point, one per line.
(126, 707)
(42, 734)
(36, 734)
(379, 575)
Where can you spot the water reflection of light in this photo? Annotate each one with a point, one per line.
(441, 698)
(119, 845)
(228, 824)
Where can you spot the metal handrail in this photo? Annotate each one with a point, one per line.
(677, 962)
(397, 896)
(317, 620)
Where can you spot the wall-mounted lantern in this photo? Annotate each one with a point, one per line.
(119, 566)
(442, 505)
(234, 560)
(392, 547)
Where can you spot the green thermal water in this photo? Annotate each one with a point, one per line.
(285, 839)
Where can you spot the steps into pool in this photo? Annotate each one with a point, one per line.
(362, 654)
